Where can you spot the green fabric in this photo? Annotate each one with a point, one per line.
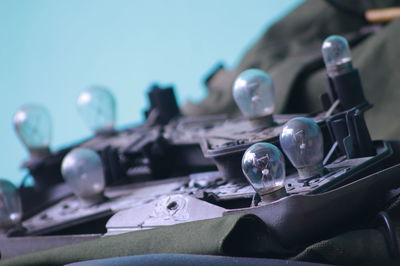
(231, 235)
(290, 52)
(236, 235)
(364, 247)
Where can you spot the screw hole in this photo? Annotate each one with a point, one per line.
(172, 205)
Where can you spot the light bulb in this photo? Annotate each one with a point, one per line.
(302, 142)
(10, 206)
(98, 109)
(253, 92)
(264, 167)
(337, 55)
(33, 126)
(82, 169)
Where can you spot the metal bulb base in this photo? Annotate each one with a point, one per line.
(39, 153)
(93, 200)
(310, 172)
(339, 69)
(106, 132)
(262, 121)
(273, 194)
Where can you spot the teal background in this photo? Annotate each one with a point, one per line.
(51, 50)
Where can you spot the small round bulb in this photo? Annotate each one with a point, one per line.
(33, 126)
(10, 206)
(337, 55)
(82, 169)
(253, 92)
(302, 142)
(98, 109)
(264, 167)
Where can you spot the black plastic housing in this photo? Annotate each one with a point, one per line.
(348, 126)
(163, 102)
(347, 88)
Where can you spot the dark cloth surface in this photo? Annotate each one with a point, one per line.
(290, 51)
(358, 7)
(188, 260)
(362, 247)
(236, 235)
(230, 235)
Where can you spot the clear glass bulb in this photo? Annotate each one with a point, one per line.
(10, 205)
(98, 109)
(264, 167)
(33, 126)
(337, 55)
(82, 169)
(302, 142)
(253, 92)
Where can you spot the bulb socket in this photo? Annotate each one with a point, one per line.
(273, 194)
(39, 153)
(92, 200)
(339, 69)
(109, 131)
(310, 172)
(347, 87)
(14, 223)
(262, 121)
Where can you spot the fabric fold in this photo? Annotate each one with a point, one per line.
(240, 235)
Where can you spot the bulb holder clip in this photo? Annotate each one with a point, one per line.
(350, 131)
(163, 101)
